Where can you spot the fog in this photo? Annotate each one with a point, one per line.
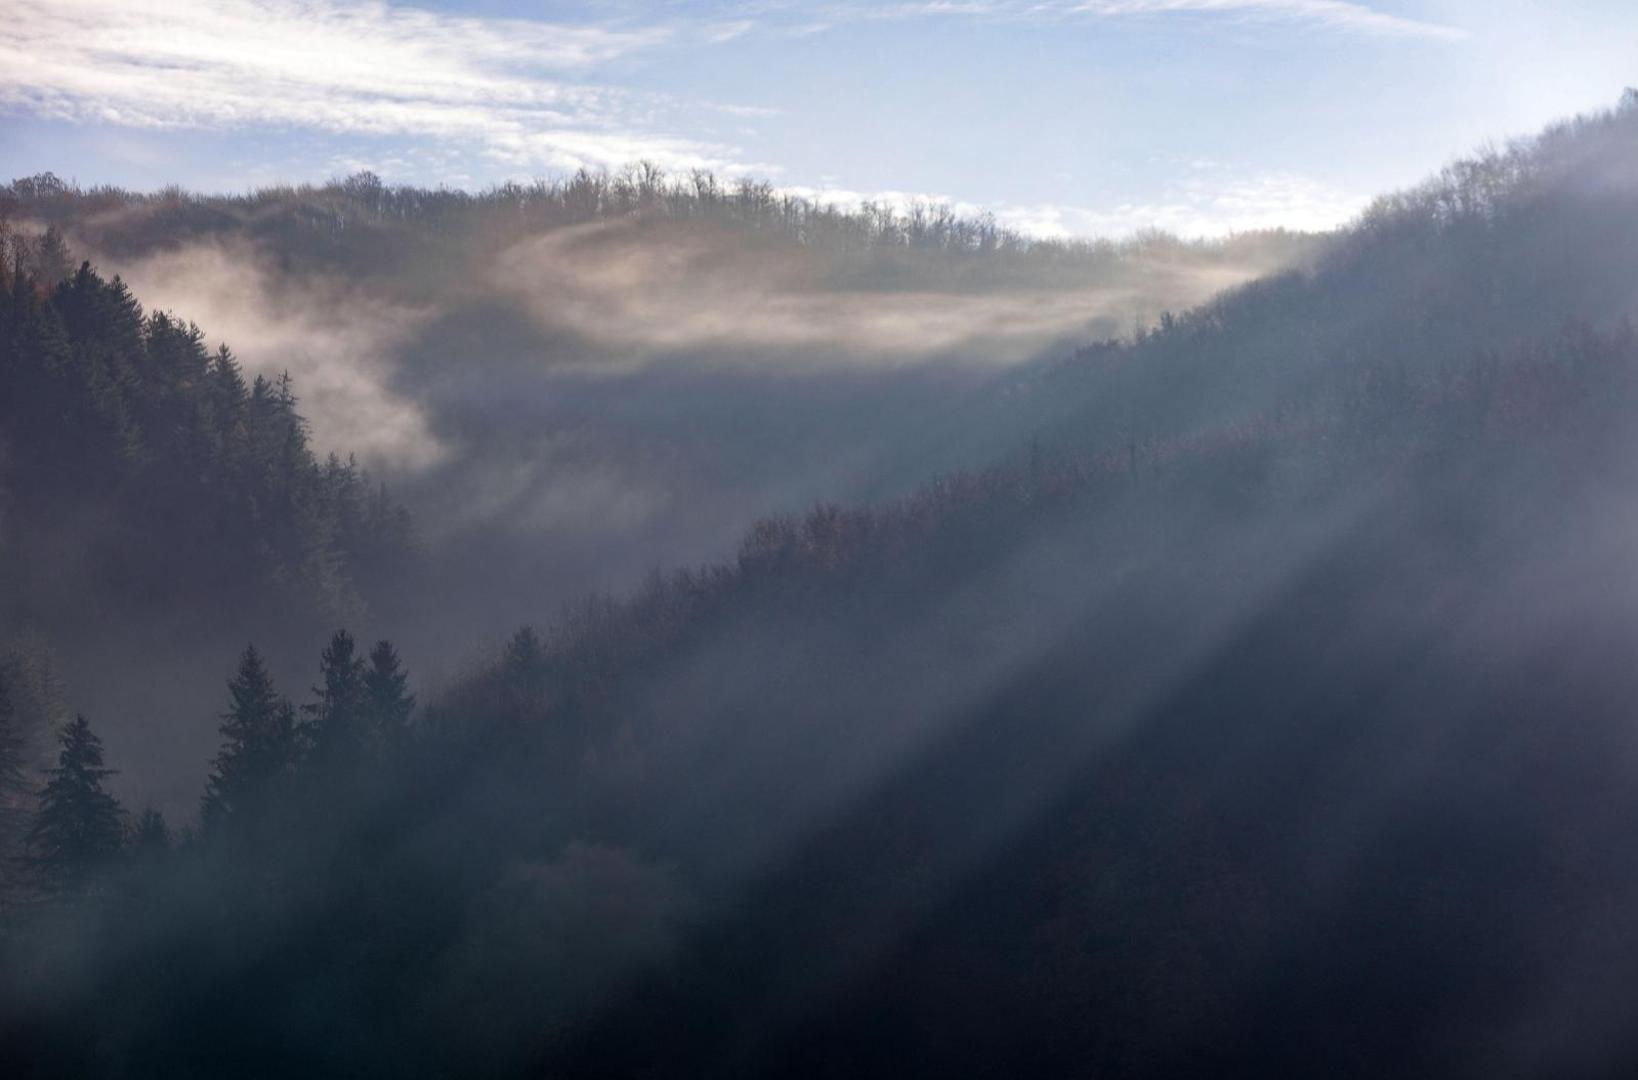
(338, 342)
(945, 654)
(643, 292)
(568, 407)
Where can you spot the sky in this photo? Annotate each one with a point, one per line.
(1062, 117)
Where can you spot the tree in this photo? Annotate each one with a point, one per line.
(11, 753)
(172, 475)
(336, 729)
(51, 258)
(524, 663)
(258, 750)
(12, 783)
(388, 701)
(151, 837)
(79, 828)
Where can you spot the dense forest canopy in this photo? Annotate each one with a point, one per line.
(212, 496)
(1246, 694)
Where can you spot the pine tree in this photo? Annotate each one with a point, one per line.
(79, 828)
(11, 749)
(336, 726)
(258, 750)
(387, 698)
(524, 670)
(151, 837)
(225, 391)
(51, 259)
(148, 851)
(12, 783)
(524, 663)
(194, 484)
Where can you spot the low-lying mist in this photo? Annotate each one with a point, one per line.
(951, 655)
(568, 404)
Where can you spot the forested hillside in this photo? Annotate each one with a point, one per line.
(566, 384)
(368, 227)
(144, 473)
(1499, 253)
(1264, 709)
(155, 499)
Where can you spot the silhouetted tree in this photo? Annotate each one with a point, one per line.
(11, 749)
(12, 782)
(151, 836)
(193, 484)
(78, 830)
(51, 258)
(388, 701)
(337, 726)
(524, 663)
(258, 750)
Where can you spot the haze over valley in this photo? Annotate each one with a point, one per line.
(510, 568)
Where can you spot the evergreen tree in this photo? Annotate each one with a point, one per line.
(151, 837)
(258, 750)
(524, 663)
(225, 394)
(524, 670)
(11, 751)
(78, 830)
(12, 783)
(336, 727)
(387, 698)
(176, 476)
(51, 258)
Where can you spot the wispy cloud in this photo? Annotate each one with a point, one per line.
(1212, 205)
(1335, 15)
(489, 96)
(1331, 14)
(506, 84)
(1206, 199)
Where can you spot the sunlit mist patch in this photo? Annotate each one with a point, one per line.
(335, 341)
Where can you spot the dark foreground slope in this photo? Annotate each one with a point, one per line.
(1294, 741)
(1047, 770)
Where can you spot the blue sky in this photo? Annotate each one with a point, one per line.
(1080, 117)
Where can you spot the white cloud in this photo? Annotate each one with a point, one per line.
(370, 69)
(1338, 15)
(722, 33)
(1199, 207)
(495, 96)
(1331, 14)
(746, 112)
(1211, 205)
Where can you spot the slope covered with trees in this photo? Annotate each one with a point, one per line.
(141, 472)
(154, 500)
(566, 383)
(1291, 737)
(1499, 253)
(367, 227)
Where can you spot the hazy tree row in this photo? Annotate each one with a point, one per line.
(69, 839)
(641, 192)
